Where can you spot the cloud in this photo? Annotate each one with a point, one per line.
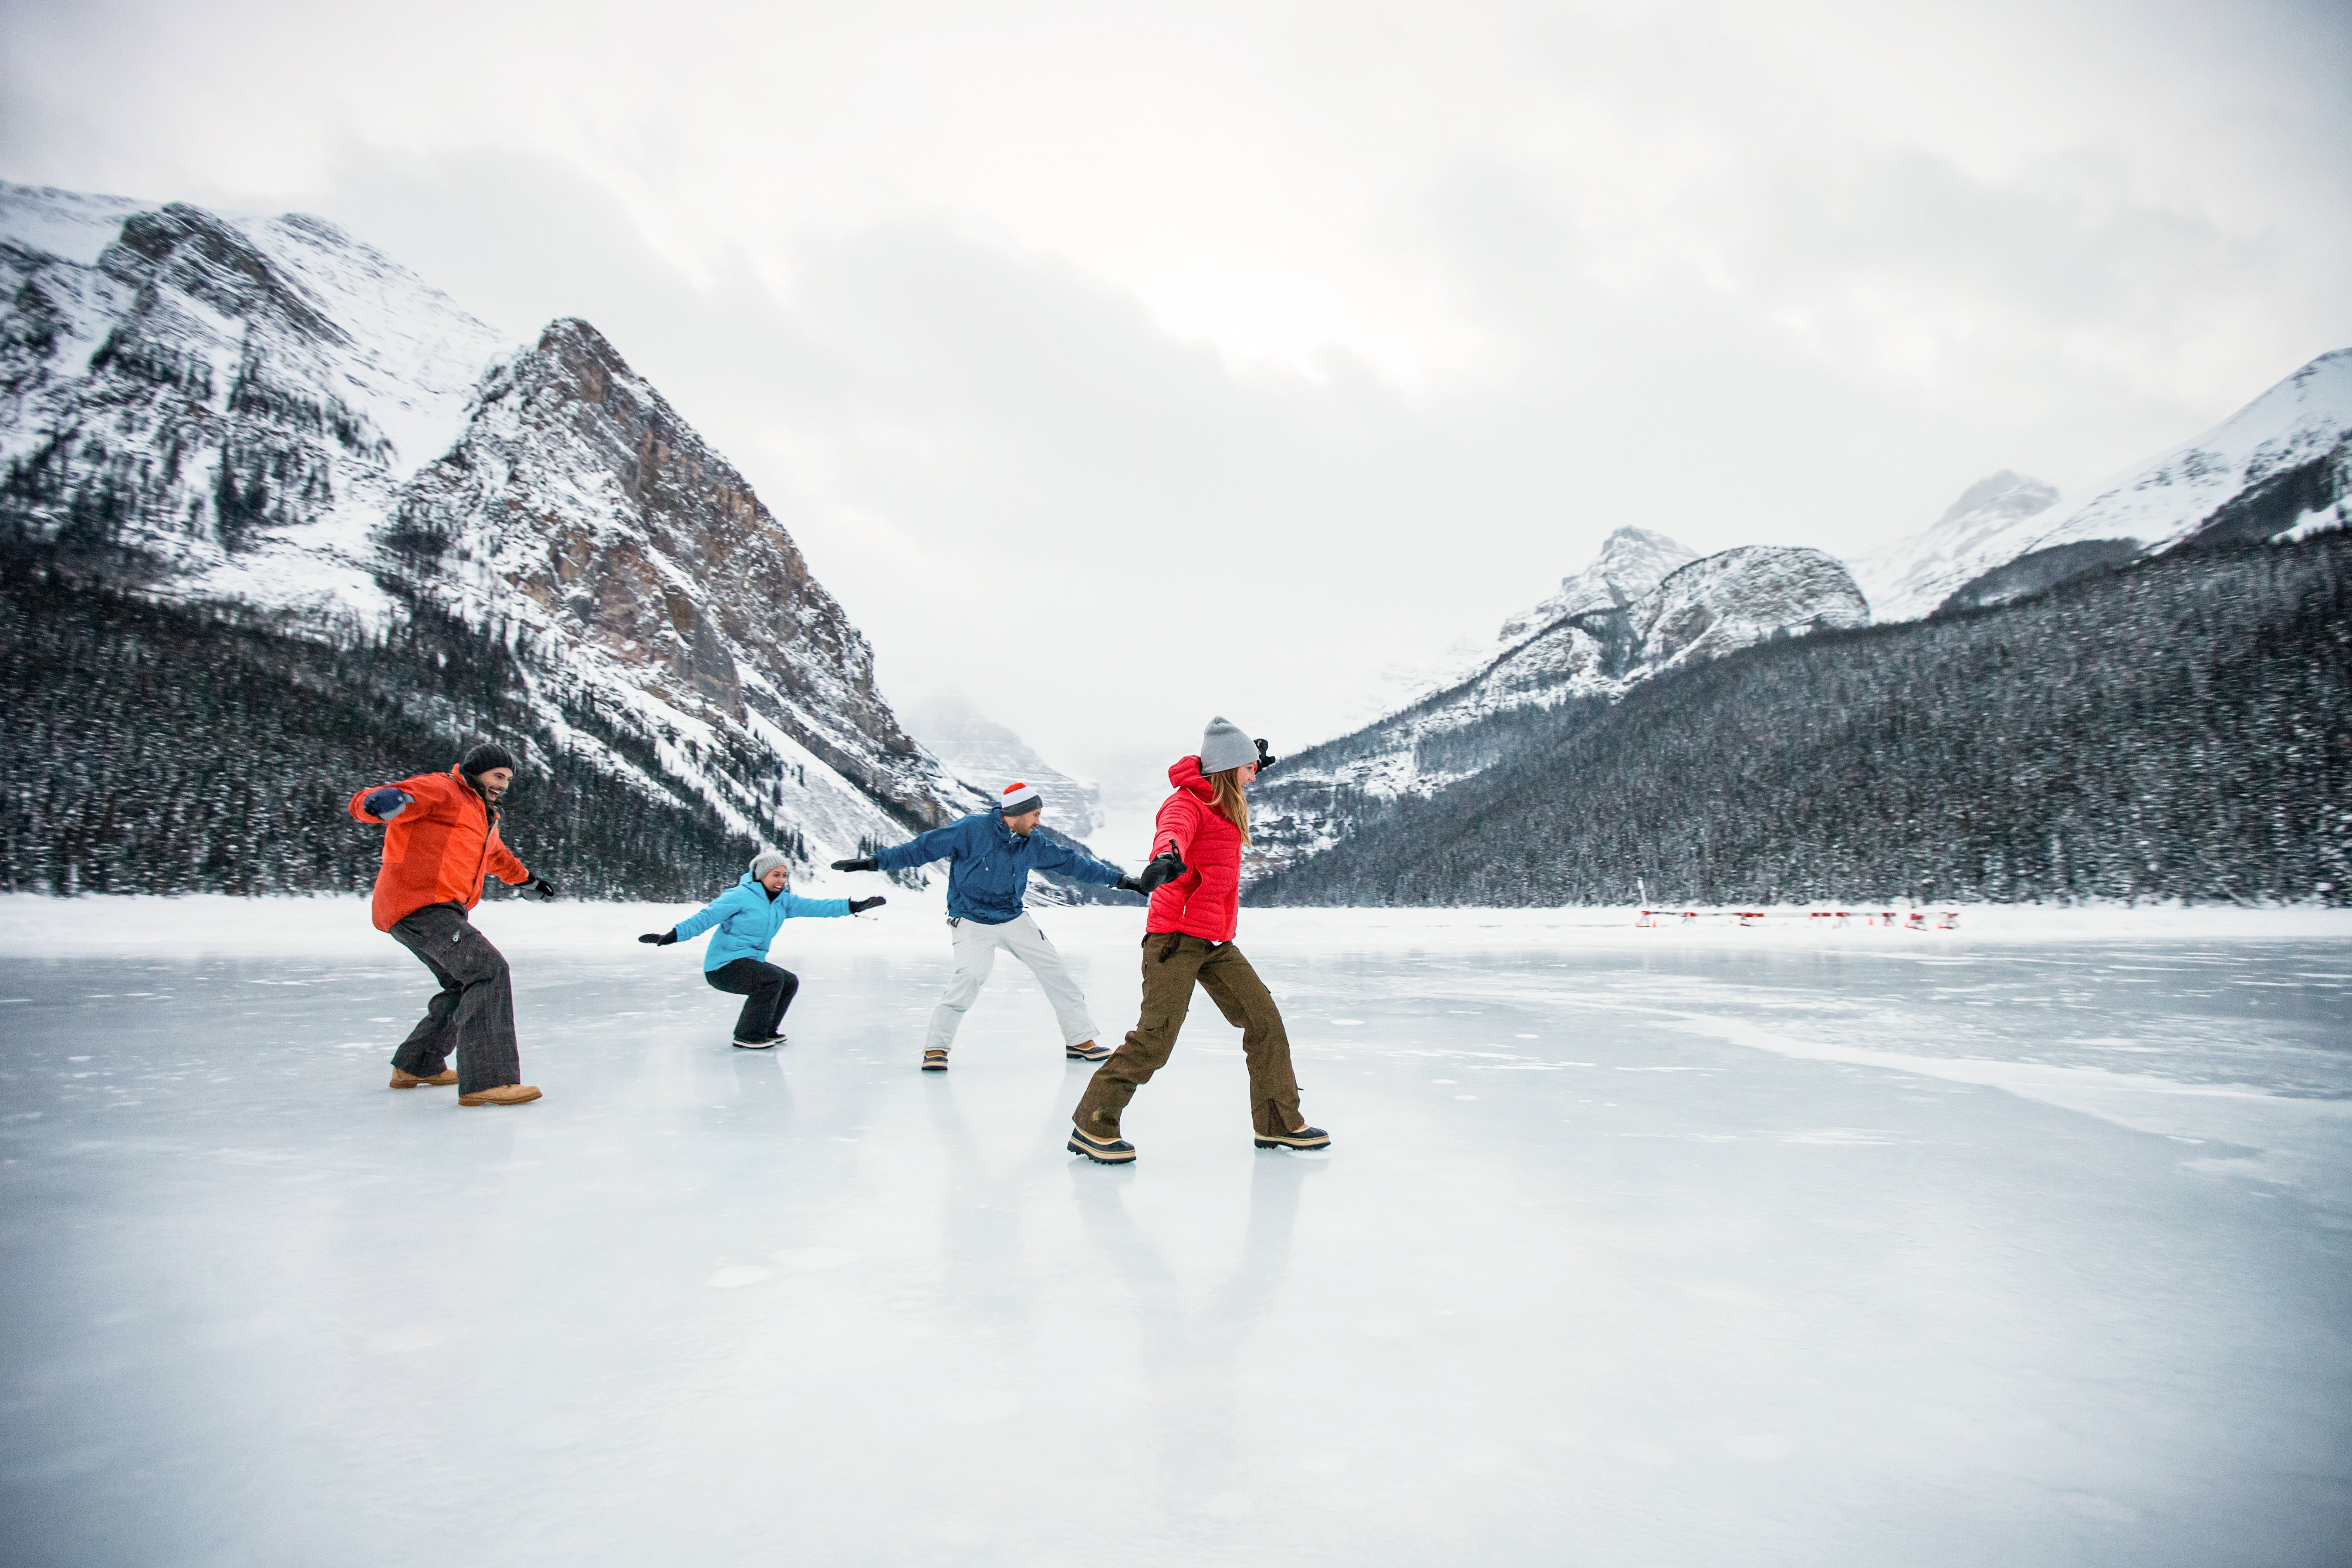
(1118, 366)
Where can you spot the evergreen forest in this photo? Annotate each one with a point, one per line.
(2179, 728)
(156, 747)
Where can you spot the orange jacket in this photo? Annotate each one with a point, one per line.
(438, 849)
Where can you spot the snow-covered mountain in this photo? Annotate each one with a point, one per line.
(1644, 605)
(2280, 466)
(266, 410)
(1985, 528)
(986, 755)
(2275, 467)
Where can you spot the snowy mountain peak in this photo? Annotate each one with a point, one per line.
(2002, 495)
(1910, 577)
(2257, 474)
(1632, 561)
(1742, 596)
(2280, 466)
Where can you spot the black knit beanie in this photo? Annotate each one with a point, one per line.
(483, 758)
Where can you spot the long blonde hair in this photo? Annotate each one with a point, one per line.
(1229, 800)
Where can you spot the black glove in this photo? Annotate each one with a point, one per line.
(661, 938)
(1165, 867)
(865, 864)
(387, 803)
(1265, 759)
(859, 906)
(541, 886)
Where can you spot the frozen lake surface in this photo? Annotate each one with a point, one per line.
(2030, 1244)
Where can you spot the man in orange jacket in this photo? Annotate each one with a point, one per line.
(441, 838)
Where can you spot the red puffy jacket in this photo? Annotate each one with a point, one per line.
(438, 850)
(1206, 901)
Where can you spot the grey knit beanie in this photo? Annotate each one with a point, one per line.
(765, 861)
(1222, 746)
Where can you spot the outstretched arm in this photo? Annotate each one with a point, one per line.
(710, 914)
(796, 907)
(503, 863)
(1050, 857)
(382, 803)
(921, 849)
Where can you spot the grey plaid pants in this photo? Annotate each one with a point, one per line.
(472, 1014)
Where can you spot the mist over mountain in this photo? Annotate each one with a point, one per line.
(988, 756)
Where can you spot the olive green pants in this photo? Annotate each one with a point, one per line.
(1171, 965)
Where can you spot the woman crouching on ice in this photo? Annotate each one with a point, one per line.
(748, 916)
(1189, 937)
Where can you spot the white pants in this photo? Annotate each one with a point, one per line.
(975, 954)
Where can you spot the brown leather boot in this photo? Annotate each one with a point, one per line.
(442, 1080)
(505, 1094)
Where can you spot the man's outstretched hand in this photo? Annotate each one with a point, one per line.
(541, 888)
(859, 906)
(661, 938)
(865, 864)
(387, 803)
(1165, 867)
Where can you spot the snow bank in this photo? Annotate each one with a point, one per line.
(33, 925)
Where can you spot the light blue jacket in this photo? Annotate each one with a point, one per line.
(989, 865)
(748, 920)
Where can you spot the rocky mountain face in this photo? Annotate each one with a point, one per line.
(576, 506)
(269, 414)
(1741, 596)
(1644, 606)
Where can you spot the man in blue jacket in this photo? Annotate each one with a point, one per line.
(748, 915)
(989, 855)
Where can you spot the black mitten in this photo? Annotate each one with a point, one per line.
(865, 864)
(859, 906)
(541, 886)
(660, 937)
(1165, 867)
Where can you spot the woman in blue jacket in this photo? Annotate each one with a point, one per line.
(748, 916)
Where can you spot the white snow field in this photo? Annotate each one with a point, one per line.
(2025, 1244)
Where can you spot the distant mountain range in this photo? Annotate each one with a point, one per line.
(1647, 607)
(277, 516)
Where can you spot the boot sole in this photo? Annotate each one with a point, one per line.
(424, 1083)
(1086, 1056)
(479, 1099)
(753, 1045)
(1077, 1146)
(1294, 1143)
(935, 1067)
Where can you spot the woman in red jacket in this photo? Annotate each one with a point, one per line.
(1188, 938)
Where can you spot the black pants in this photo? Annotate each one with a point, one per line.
(472, 1014)
(767, 990)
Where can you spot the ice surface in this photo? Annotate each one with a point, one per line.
(2025, 1244)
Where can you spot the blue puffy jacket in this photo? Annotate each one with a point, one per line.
(989, 865)
(748, 920)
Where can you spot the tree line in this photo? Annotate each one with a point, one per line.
(155, 747)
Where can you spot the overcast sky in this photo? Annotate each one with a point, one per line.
(1114, 364)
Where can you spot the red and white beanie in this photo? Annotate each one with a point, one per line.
(1020, 797)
